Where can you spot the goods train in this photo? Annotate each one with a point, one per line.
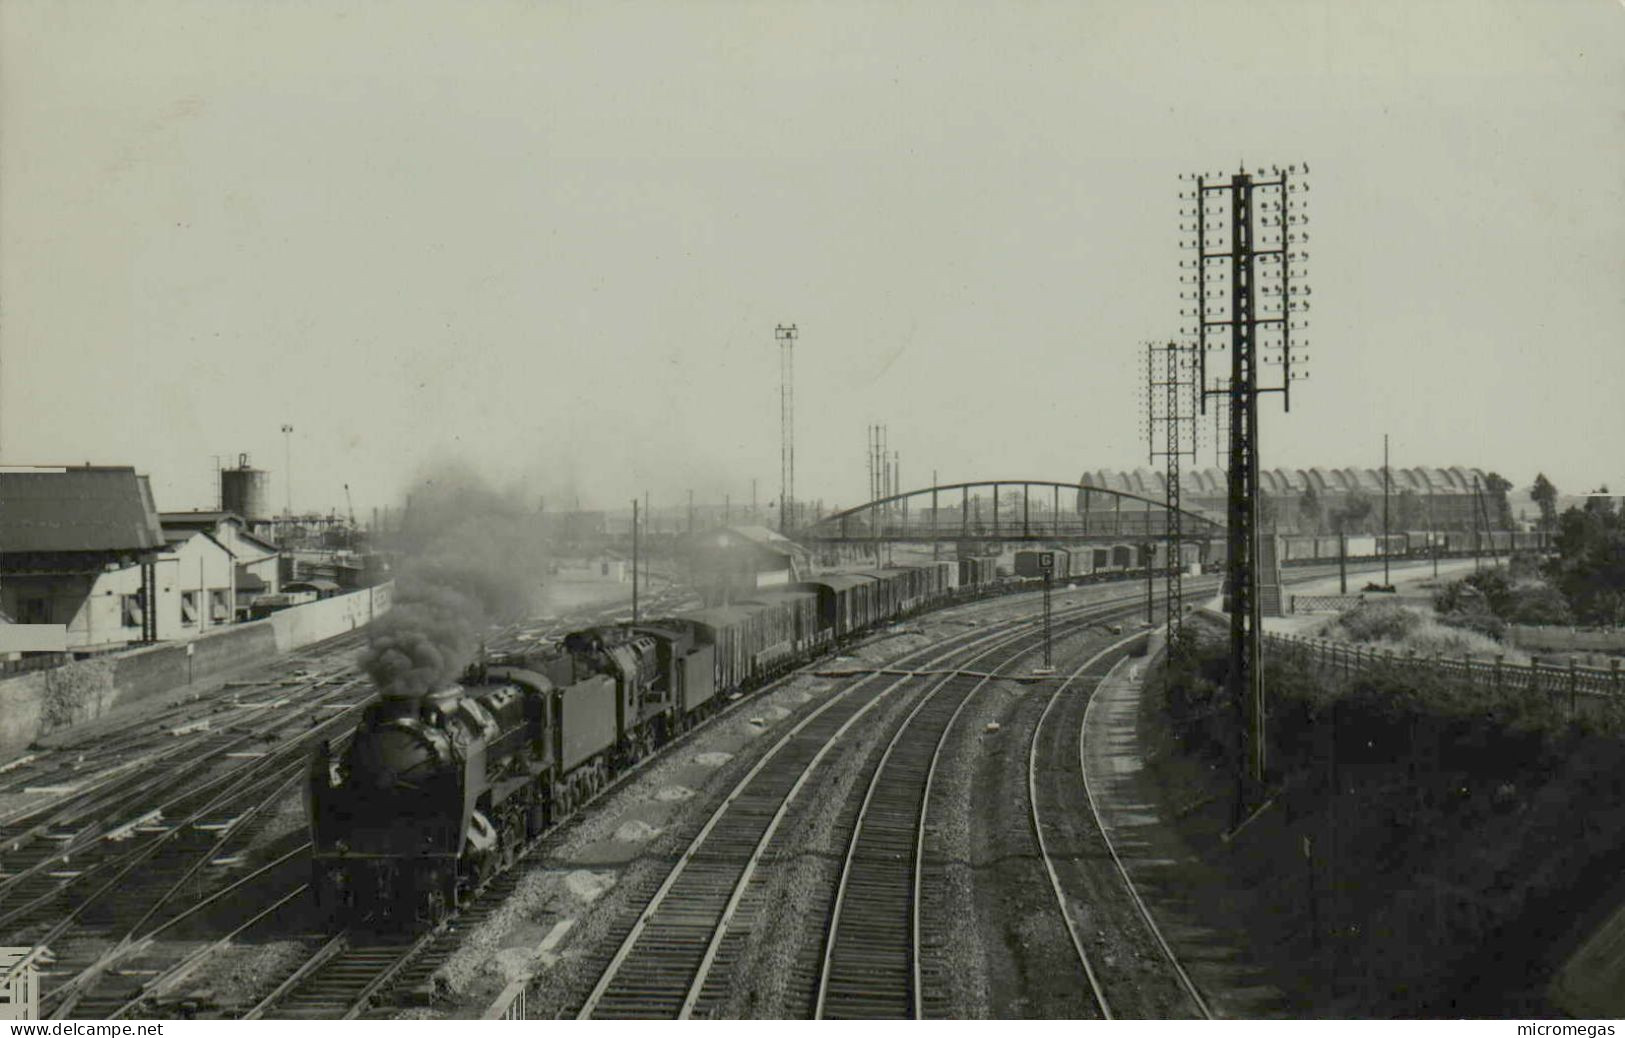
(433, 794)
(1419, 544)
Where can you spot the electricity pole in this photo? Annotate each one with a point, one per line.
(287, 470)
(635, 560)
(1386, 582)
(1245, 282)
(786, 336)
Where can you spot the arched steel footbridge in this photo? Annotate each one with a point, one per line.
(1011, 510)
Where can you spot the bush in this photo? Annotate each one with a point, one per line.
(1540, 604)
(1478, 621)
(1403, 628)
(1384, 622)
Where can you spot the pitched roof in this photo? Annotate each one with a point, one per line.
(197, 520)
(760, 536)
(94, 508)
(211, 522)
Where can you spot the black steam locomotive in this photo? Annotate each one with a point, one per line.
(435, 793)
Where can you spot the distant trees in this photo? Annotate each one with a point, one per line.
(1500, 512)
(1545, 496)
(1590, 566)
(1408, 512)
(1355, 515)
(1268, 511)
(1311, 517)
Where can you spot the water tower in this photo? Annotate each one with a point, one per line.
(246, 491)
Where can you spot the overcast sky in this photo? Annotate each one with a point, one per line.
(554, 239)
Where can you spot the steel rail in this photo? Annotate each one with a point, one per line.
(1128, 881)
(833, 930)
(962, 643)
(629, 943)
(1043, 845)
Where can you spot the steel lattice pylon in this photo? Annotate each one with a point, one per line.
(1250, 298)
(1171, 408)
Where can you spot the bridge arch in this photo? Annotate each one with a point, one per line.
(1004, 510)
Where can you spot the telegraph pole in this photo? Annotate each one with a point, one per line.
(1433, 534)
(786, 336)
(287, 470)
(1386, 582)
(635, 560)
(1245, 282)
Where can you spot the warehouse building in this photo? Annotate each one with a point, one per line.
(728, 561)
(1312, 500)
(255, 559)
(79, 554)
(87, 564)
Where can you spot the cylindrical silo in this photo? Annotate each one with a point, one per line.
(245, 490)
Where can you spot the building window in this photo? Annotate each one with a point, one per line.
(220, 605)
(188, 607)
(130, 610)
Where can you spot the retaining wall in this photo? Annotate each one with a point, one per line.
(45, 701)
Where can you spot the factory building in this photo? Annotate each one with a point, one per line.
(1311, 500)
(87, 564)
(79, 555)
(255, 560)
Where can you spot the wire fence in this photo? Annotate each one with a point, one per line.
(1324, 603)
(1571, 680)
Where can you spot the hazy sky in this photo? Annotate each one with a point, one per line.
(555, 238)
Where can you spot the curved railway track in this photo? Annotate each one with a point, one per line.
(873, 952)
(1072, 846)
(675, 954)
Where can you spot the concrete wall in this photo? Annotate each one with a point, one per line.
(45, 701)
(319, 621)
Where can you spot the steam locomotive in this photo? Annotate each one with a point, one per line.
(434, 794)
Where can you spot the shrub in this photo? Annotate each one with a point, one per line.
(1383, 622)
(1540, 604)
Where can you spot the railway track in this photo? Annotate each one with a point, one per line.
(1091, 895)
(873, 960)
(676, 952)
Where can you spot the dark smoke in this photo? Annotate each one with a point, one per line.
(470, 557)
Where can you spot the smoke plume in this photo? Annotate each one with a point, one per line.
(469, 557)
